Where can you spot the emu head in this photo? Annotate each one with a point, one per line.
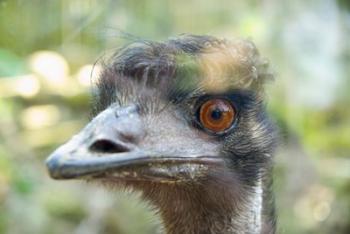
(178, 119)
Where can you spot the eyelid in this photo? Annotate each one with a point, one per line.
(201, 100)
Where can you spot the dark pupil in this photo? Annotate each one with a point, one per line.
(216, 114)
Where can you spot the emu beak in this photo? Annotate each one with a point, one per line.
(108, 146)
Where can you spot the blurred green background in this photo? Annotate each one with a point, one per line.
(47, 51)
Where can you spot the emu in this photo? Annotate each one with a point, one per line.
(184, 122)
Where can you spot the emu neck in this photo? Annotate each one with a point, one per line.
(209, 209)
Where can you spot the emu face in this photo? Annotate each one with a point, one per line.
(183, 121)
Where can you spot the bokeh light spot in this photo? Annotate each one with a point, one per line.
(51, 66)
(88, 73)
(40, 116)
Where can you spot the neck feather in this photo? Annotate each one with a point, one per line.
(212, 208)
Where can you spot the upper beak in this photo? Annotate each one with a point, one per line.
(108, 144)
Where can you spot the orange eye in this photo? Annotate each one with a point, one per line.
(217, 115)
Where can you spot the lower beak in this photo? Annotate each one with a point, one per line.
(65, 167)
(62, 166)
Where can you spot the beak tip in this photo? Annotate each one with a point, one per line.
(53, 167)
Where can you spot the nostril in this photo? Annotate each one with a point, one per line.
(107, 146)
